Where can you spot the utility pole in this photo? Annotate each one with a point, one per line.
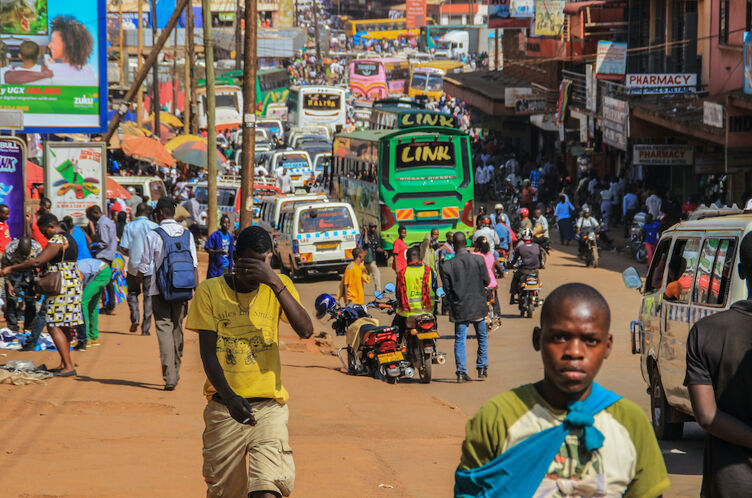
(211, 126)
(248, 151)
(155, 78)
(187, 63)
(143, 72)
(140, 98)
(175, 73)
(191, 60)
(238, 37)
(496, 49)
(123, 56)
(316, 33)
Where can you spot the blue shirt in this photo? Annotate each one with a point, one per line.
(89, 268)
(535, 177)
(134, 239)
(651, 232)
(83, 247)
(219, 264)
(562, 211)
(504, 234)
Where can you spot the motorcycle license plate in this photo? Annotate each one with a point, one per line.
(390, 357)
(428, 335)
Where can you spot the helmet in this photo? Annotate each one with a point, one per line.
(503, 219)
(527, 234)
(499, 207)
(586, 209)
(323, 304)
(524, 212)
(486, 220)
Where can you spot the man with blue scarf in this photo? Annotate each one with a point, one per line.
(564, 435)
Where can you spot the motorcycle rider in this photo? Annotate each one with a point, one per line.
(486, 230)
(416, 290)
(586, 224)
(531, 260)
(507, 238)
(540, 231)
(498, 211)
(524, 221)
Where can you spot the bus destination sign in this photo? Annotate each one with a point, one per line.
(411, 119)
(424, 154)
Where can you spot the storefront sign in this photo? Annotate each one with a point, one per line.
(549, 17)
(75, 178)
(591, 89)
(505, 14)
(415, 12)
(611, 60)
(522, 8)
(512, 94)
(712, 114)
(13, 182)
(66, 89)
(530, 105)
(615, 122)
(748, 62)
(546, 122)
(663, 155)
(643, 84)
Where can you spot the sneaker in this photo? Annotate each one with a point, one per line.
(81, 346)
(93, 342)
(483, 373)
(28, 347)
(134, 326)
(463, 377)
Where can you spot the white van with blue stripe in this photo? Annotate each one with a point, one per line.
(693, 274)
(317, 237)
(298, 164)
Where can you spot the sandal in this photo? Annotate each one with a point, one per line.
(70, 373)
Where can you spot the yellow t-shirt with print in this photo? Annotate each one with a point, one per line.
(247, 335)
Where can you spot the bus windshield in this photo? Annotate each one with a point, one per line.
(324, 219)
(321, 101)
(226, 100)
(435, 83)
(418, 82)
(292, 161)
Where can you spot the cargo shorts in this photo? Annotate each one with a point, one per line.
(227, 442)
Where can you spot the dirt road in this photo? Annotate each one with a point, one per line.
(113, 431)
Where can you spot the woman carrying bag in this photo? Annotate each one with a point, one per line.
(61, 284)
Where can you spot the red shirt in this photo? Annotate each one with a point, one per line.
(4, 236)
(36, 234)
(400, 255)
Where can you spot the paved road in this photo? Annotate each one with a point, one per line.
(114, 432)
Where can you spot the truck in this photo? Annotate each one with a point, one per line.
(467, 39)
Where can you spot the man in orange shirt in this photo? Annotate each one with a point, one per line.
(354, 278)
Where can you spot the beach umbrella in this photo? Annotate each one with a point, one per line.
(176, 142)
(147, 149)
(116, 191)
(196, 153)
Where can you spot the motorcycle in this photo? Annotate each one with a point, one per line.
(420, 337)
(493, 320)
(591, 249)
(636, 245)
(529, 293)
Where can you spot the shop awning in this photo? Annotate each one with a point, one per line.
(574, 8)
(484, 90)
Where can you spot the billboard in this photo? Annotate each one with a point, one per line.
(415, 12)
(75, 177)
(748, 62)
(510, 14)
(13, 182)
(549, 17)
(56, 68)
(611, 61)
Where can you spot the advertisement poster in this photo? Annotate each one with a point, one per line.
(56, 71)
(591, 89)
(615, 122)
(13, 182)
(522, 8)
(75, 177)
(748, 62)
(549, 17)
(415, 12)
(611, 61)
(285, 11)
(504, 14)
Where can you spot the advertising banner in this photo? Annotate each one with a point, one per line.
(549, 17)
(663, 155)
(644, 84)
(748, 62)
(611, 61)
(57, 73)
(591, 89)
(13, 182)
(415, 12)
(505, 14)
(75, 177)
(511, 94)
(285, 12)
(713, 115)
(615, 122)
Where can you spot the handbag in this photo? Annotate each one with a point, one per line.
(50, 283)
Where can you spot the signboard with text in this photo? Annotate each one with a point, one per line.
(415, 12)
(591, 89)
(61, 82)
(747, 62)
(644, 84)
(663, 155)
(74, 177)
(424, 155)
(510, 13)
(549, 17)
(615, 122)
(611, 60)
(713, 115)
(13, 182)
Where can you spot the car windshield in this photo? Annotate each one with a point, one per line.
(292, 161)
(325, 219)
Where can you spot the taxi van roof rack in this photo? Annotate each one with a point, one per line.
(704, 211)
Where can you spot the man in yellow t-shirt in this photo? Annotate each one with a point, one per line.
(354, 278)
(237, 318)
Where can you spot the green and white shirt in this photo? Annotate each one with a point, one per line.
(629, 463)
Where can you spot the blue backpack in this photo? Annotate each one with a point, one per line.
(176, 277)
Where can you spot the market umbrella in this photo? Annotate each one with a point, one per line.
(167, 118)
(196, 153)
(147, 149)
(166, 131)
(176, 142)
(116, 191)
(132, 128)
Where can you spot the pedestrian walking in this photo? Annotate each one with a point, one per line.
(429, 248)
(465, 278)
(95, 275)
(132, 244)
(246, 447)
(564, 434)
(220, 245)
(718, 372)
(19, 286)
(399, 250)
(483, 249)
(650, 234)
(63, 306)
(371, 242)
(563, 212)
(173, 251)
(354, 278)
(83, 241)
(104, 246)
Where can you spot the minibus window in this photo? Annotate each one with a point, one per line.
(715, 271)
(658, 267)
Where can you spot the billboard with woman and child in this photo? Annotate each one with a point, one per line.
(53, 63)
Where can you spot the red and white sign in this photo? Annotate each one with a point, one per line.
(415, 12)
(663, 155)
(661, 83)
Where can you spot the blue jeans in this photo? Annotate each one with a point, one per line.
(460, 335)
(37, 325)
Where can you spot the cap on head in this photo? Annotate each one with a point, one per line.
(499, 207)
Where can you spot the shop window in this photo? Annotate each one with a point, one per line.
(723, 21)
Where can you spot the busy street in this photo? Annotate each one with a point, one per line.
(345, 248)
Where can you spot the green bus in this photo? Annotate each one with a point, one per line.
(272, 85)
(387, 117)
(420, 178)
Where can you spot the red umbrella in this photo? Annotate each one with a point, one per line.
(116, 191)
(147, 149)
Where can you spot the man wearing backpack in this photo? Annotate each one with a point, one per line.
(173, 251)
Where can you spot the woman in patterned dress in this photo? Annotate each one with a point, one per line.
(64, 310)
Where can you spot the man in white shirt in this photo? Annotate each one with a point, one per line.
(653, 204)
(490, 178)
(260, 171)
(605, 207)
(480, 180)
(284, 181)
(168, 315)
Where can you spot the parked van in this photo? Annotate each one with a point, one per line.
(298, 164)
(145, 186)
(228, 199)
(694, 273)
(271, 208)
(317, 237)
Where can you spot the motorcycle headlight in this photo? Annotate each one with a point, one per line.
(591, 236)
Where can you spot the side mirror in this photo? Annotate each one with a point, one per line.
(378, 294)
(631, 278)
(389, 288)
(440, 292)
